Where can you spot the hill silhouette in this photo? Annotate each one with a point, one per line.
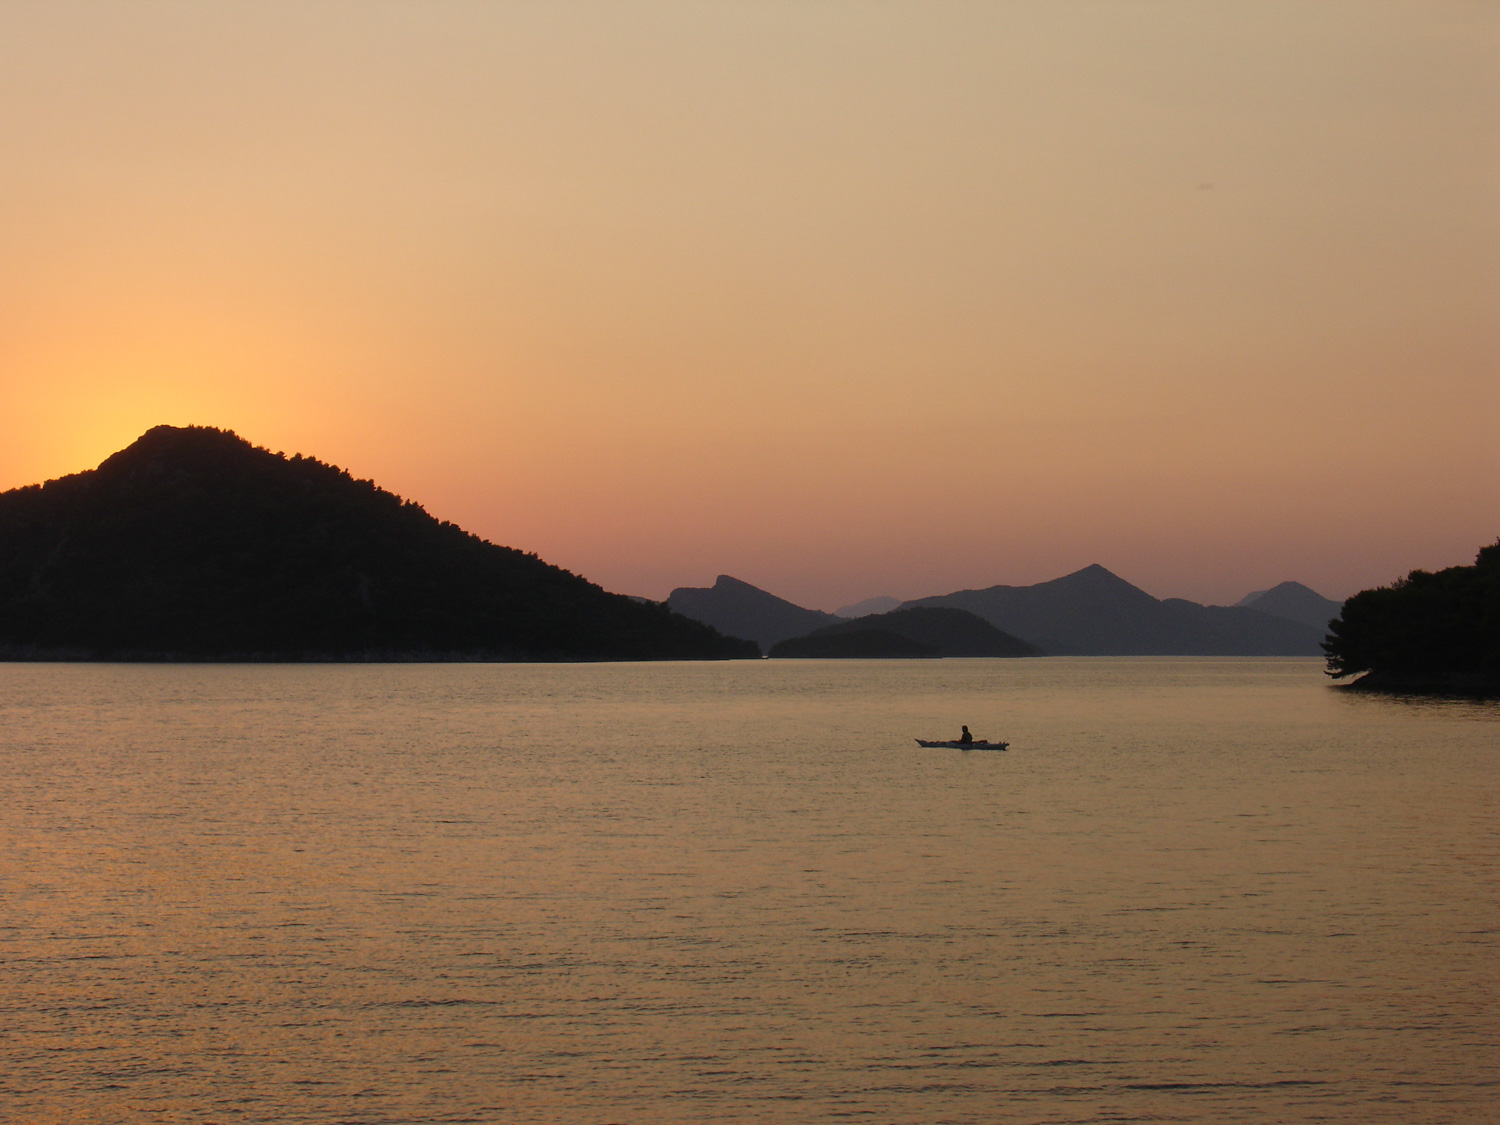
(1294, 602)
(193, 544)
(739, 609)
(1425, 632)
(1092, 612)
(865, 643)
(940, 631)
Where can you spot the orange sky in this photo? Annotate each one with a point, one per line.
(843, 299)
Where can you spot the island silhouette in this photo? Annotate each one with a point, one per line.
(193, 544)
(918, 631)
(1427, 632)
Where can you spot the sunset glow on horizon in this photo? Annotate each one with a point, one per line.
(842, 299)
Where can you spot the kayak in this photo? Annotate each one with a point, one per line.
(977, 744)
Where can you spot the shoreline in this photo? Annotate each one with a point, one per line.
(1469, 685)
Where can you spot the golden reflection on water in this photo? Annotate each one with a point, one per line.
(1195, 890)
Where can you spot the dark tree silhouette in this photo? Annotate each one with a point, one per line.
(1426, 629)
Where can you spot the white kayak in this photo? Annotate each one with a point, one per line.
(977, 744)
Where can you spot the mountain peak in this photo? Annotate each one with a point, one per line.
(176, 439)
(1094, 572)
(1283, 588)
(1097, 580)
(187, 450)
(738, 609)
(729, 582)
(1292, 601)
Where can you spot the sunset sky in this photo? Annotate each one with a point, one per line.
(843, 299)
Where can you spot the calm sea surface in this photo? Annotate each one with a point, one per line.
(1193, 890)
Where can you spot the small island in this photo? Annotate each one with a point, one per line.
(193, 544)
(856, 644)
(913, 632)
(1428, 632)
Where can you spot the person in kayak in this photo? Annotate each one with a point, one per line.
(966, 737)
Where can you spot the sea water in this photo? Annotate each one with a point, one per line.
(1192, 890)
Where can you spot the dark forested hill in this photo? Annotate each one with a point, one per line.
(934, 631)
(1424, 632)
(193, 544)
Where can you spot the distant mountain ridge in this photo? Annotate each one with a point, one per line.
(738, 609)
(192, 544)
(1093, 612)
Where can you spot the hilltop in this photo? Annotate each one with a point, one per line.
(1294, 602)
(193, 544)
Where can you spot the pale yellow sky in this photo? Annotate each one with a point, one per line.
(841, 298)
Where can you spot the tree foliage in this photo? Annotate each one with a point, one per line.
(1424, 626)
